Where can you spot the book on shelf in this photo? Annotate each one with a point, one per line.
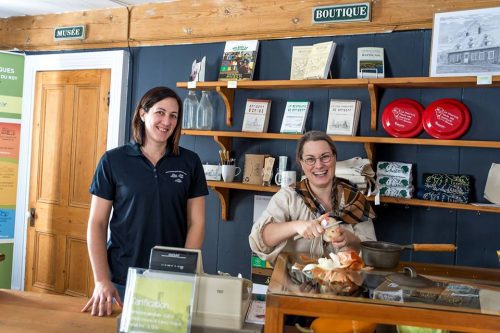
(294, 119)
(198, 70)
(238, 60)
(300, 54)
(319, 61)
(256, 118)
(343, 117)
(370, 62)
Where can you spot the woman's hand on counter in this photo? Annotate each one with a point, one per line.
(101, 302)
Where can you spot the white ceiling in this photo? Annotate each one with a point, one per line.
(10, 8)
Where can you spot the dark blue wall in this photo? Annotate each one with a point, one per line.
(226, 248)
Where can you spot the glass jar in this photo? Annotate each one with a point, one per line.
(205, 113)
(189, 109)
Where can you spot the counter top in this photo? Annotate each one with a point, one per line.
(469, 304)
(23, 311)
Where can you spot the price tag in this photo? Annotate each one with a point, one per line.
(484, 79)
(232, 84)
(192, 85)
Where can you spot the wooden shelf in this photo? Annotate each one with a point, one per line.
(437, 204)
(241, 186)
(222, 190)
(372, 85)
(224, 138)
(281, 84)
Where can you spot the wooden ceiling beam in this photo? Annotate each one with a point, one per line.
(182, 22)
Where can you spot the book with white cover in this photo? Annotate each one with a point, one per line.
(300, 54)
(198, 70)
(343, 117)
(371, 62)
(294, 119)
(319, 61)
(256, 118)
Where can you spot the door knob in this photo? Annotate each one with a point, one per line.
(30, 215)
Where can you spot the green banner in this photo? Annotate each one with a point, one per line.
(10, 106)
(6, 265)
(11, 84)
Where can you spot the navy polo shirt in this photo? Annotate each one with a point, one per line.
(149, 202)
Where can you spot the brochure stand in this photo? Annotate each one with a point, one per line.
(174, 294)
(158, 301)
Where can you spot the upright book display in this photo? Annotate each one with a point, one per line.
(370, 62)
(238, 60)
(256, 118)
(294, 119)
(319, 61)
(300, 54)
(343, 117)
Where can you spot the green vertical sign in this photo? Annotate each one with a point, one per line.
(11, 84)
(7, 250)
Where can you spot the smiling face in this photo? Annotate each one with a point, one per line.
(322, 171)
(160, 121)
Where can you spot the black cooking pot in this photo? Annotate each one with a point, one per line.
(386, 255)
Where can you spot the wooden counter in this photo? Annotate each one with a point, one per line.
(22, 311)
(283, 297)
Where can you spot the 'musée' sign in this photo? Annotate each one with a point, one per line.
(73, 32)
(342, 13)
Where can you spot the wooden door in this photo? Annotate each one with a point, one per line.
(69, 136)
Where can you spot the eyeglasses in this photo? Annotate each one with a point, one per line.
(326, 158)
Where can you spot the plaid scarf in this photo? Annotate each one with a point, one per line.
(352, 209)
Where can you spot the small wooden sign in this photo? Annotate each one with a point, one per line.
(342, 13)
(72, 32)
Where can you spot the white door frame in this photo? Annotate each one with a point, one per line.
(118, 62)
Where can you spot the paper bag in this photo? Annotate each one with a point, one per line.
(492, 188)
(253, 169)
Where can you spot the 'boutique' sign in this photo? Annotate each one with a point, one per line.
(342, 13)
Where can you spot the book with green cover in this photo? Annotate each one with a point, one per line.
(295, 116)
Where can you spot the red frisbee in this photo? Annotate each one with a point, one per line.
(402, 118)
(446, 118)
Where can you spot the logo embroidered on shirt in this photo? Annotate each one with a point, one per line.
(177, 175)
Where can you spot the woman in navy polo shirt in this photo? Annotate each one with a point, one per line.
(156, 191)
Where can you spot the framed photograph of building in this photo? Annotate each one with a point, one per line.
(466, 43)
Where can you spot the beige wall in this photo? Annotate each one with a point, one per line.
(180, 22)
